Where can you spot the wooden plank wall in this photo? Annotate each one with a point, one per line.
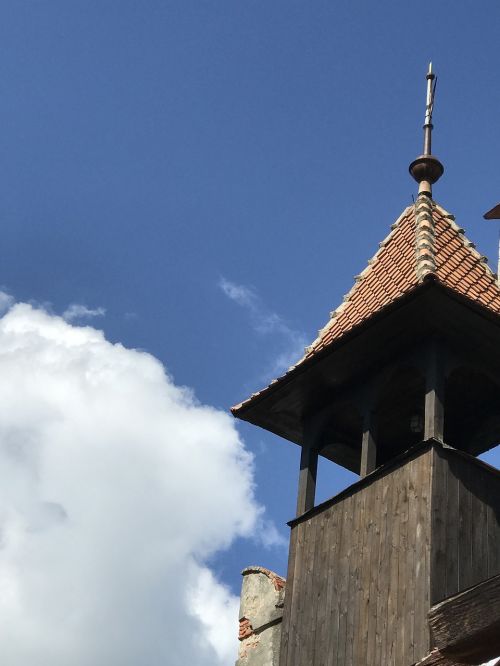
(465, 523)
(358, 579)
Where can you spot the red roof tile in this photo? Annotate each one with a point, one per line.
(393, 272)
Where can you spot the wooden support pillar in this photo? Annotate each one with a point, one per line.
(368, 447)
(307, 479)
(434, 393)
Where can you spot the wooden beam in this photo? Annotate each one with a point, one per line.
(466, 627)
(368, 448)
(434, 394)
(307, 479)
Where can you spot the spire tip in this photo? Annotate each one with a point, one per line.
(427, 169)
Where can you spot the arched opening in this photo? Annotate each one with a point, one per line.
(340, 439)
(341, 435)
(398, 419)
(472, 411)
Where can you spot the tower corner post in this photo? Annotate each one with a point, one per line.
(368, 446)
(434, 393)
(307, 479)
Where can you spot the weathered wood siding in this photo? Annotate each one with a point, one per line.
(358, 578)
(465, 523)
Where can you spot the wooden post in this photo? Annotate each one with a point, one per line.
(434, 393)
(307, 479)
(368, 447)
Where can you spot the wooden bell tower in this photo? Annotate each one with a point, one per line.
(402, 386)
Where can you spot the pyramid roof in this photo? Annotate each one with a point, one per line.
(424, 243)
(404, 259)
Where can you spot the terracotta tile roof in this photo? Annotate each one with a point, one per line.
(403, 261)
(424, 241)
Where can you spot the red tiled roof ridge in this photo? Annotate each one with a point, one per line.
(407, 213)
(425, 238)
(394, 227)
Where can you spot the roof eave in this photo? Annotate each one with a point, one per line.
(262, 409)
(309, 362)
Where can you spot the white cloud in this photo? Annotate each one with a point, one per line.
(244, 296)
(6, 301)
(217, 609)
(77, 311)
(117, 486)
(269, 536)
(266, 322)
(263, 321)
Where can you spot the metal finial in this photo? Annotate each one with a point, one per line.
(429, 108)
(427, 169)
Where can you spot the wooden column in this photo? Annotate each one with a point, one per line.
(307, 479)
(368, 447)
(434, 393)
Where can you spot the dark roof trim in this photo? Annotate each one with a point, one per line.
(308, 363)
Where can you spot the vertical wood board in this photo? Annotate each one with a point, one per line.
(465, 535)
(360, 572)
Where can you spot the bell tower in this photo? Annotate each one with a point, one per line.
(402, 386)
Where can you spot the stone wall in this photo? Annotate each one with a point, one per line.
(261, 613)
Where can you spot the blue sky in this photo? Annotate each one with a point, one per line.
(213, 174)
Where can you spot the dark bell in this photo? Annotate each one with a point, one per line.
(426, 167)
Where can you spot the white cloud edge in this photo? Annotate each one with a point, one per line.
(266, 322)
(35, 328)
(76, 311)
